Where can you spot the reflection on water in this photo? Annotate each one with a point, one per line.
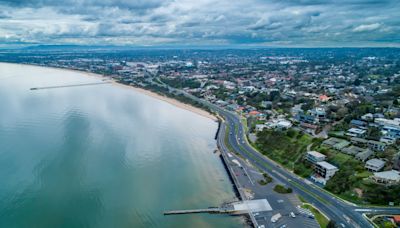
(102, 156)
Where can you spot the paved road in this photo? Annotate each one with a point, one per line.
(247, 180)
(341, 212)
(338, 210)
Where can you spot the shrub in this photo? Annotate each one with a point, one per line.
(282, 189)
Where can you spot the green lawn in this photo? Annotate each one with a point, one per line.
(283, 146)
(363, 174)
(339, 158)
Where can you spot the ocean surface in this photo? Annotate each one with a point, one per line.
(102, 156)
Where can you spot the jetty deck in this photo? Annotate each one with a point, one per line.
(73, 85)
(208, 210)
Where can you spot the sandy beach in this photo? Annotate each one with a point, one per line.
(171, 101)
(146, 92)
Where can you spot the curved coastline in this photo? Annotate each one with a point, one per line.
(169, 100)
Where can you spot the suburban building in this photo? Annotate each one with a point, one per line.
(392, 131)
(356, 132)
(389, 127)
(388, 140)
(359, 141)
(376, 145)
(323, 172)
(318, 112)
(363, 156)
(260, 127)
(314, 157)
(396, 219)
(367, 117)
(387, 177)
(358, 124)
(396, 161)
(336, 143)
(283, 124)
(352, 150)
(374, 165)
(304, 118)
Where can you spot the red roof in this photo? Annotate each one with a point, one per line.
(324, 97)
(254, 113)
(396, 218)
(307, 125)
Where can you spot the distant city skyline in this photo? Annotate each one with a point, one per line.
(273, 23)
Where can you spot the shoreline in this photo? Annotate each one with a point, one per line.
(169, 100)
(149, 93)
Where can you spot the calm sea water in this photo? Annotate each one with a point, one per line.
(102, 156)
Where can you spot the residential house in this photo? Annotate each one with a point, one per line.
(260, 127)
(396, 219)
(388, 140)
(283, 124)
(314, 157)
(359, 124)
(376, 145)
(392, 131)
(374, 165)
(367, 117)
(396, 161)
(359, 141)
(352, 150)
(356, 132)
(387, 177)
(323, 172)
(390, 127)
(336, 143)
(318, 112)
(363, 156)
(305, 118)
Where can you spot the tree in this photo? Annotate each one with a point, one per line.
(331, 224)
(342, 112)
(357, 82)
(374, 133)
(309, 104)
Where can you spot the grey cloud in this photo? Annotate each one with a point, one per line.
(201, 21)
(367, 28)
(135, 4)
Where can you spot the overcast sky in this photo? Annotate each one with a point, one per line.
(201, 22)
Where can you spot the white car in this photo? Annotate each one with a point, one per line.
(292, 215)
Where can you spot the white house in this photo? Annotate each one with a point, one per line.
(387, 177)
(356, 132)
(374, 165)
(323, 172)
(283, 124)
(314, 157)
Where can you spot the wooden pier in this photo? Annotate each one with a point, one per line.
(74, 85)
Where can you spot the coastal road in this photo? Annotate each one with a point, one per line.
(338, 210)
(247, 180)
(342, 212)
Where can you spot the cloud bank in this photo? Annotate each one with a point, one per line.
(201, 22)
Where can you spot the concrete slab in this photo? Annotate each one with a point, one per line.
(258, 205)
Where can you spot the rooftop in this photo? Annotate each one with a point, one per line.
(376, 162)
(390, 175)
(326, 165)
(316, 154)
(356, 130)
